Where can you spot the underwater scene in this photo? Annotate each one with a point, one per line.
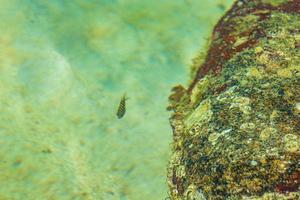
(149, 99)
(64, 68)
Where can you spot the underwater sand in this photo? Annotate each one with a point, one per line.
(64, 66)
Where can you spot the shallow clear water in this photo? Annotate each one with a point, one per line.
(64, 65)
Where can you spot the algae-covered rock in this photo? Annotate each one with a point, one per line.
(236, 128)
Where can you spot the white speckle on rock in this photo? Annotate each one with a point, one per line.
(253, 162)
(249, 140)
(298, 106)
(226, 131)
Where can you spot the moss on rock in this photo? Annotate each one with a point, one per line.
(236, 128)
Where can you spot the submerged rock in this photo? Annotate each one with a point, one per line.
(236, 128)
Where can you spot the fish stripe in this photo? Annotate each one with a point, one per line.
(122, 108)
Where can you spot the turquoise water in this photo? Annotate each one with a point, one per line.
(64, 65)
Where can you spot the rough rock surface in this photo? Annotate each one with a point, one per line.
(236, 128)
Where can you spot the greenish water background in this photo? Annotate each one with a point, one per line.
(64, 66)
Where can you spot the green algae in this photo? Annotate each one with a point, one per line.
(275, 2)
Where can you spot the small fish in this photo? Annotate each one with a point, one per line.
(122, 107)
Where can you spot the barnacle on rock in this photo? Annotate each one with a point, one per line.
(240, 114)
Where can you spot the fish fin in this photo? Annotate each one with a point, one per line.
(125, 96)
